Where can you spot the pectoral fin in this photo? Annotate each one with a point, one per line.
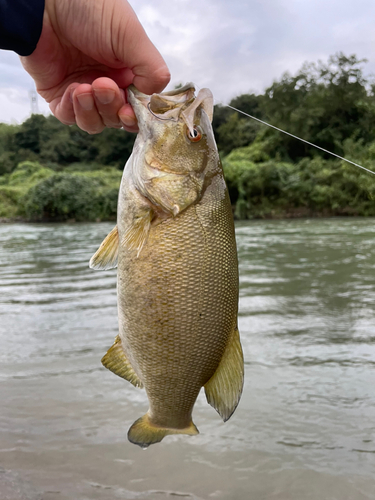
(224, 389)
(106, 255)
(116, 361)
(136, 235)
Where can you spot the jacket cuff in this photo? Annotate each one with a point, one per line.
(21, 24)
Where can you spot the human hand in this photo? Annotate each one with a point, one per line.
(87, 54)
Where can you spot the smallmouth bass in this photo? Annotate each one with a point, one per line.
(175, 249)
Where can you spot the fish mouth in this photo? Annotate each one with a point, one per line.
(163, 106)
(173, 105)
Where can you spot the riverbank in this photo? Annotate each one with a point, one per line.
(312, 188)
(35, 193)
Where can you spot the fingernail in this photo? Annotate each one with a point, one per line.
(86, 101)
(105, 96)
(128, 121)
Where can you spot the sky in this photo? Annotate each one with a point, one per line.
(229, 46)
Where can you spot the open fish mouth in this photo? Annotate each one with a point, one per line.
(166, 105)
(172, 105)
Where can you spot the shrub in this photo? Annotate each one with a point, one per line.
(29, 172)
(82, 196)
(107, 204)
(10, 201)
(62, 197)
(310, 187)
(7, 162)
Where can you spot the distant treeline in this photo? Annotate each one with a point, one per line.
(49, 171)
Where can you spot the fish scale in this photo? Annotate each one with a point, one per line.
(177, 271)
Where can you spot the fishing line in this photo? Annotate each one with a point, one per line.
(159, 117)
(300, 139)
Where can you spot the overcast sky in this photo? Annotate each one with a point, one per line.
(230, 46)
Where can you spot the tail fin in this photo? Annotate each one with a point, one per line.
(144, 433)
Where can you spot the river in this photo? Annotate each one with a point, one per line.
(305, 427)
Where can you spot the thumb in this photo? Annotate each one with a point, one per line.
(134, 48)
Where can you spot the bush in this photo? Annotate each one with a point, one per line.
(29, 172)
(10, 201)
(81, 196)
(107, 204)
(62, 197)
(7, 162)
(310, 187)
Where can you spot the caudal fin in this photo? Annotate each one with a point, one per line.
(144, 433)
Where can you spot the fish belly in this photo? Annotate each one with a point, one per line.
(178, 305)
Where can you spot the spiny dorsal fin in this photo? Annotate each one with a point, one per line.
(116, 361)
(137, 233)
(224, 389)
(106, 255)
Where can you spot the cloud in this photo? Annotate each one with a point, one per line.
(233, 46)
(241, 46)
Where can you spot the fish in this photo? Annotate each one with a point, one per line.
(177, 283)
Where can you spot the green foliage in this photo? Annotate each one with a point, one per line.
(79, 196)
(84, 167)
(237, 163)
(14, 186)
(235, 133)
(29, 134)
(49, 171)
(10, 201)
(29, 172)
(233, 130)
(34, 192)
(324, 104)
(7, 162)
(7, 157)
(47, 140)
(106, 177)
(61, 197)
(114, 147)
(310, 187)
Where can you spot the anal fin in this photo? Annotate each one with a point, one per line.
(116, 361)
(106, 255)
(224, 389)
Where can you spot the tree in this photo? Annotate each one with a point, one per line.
(114, 147)
(324, 104)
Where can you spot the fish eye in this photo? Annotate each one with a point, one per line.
(196, 135)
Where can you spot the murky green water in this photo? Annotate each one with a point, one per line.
(305, 427)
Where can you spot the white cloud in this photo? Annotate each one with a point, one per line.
(233, 46)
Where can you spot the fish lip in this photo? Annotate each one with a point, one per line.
(180, 90)
(140, 102)
(135, 96)
(134, 93)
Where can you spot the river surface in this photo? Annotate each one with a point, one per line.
(305, 427)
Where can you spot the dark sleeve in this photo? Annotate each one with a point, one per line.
(20, 25)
